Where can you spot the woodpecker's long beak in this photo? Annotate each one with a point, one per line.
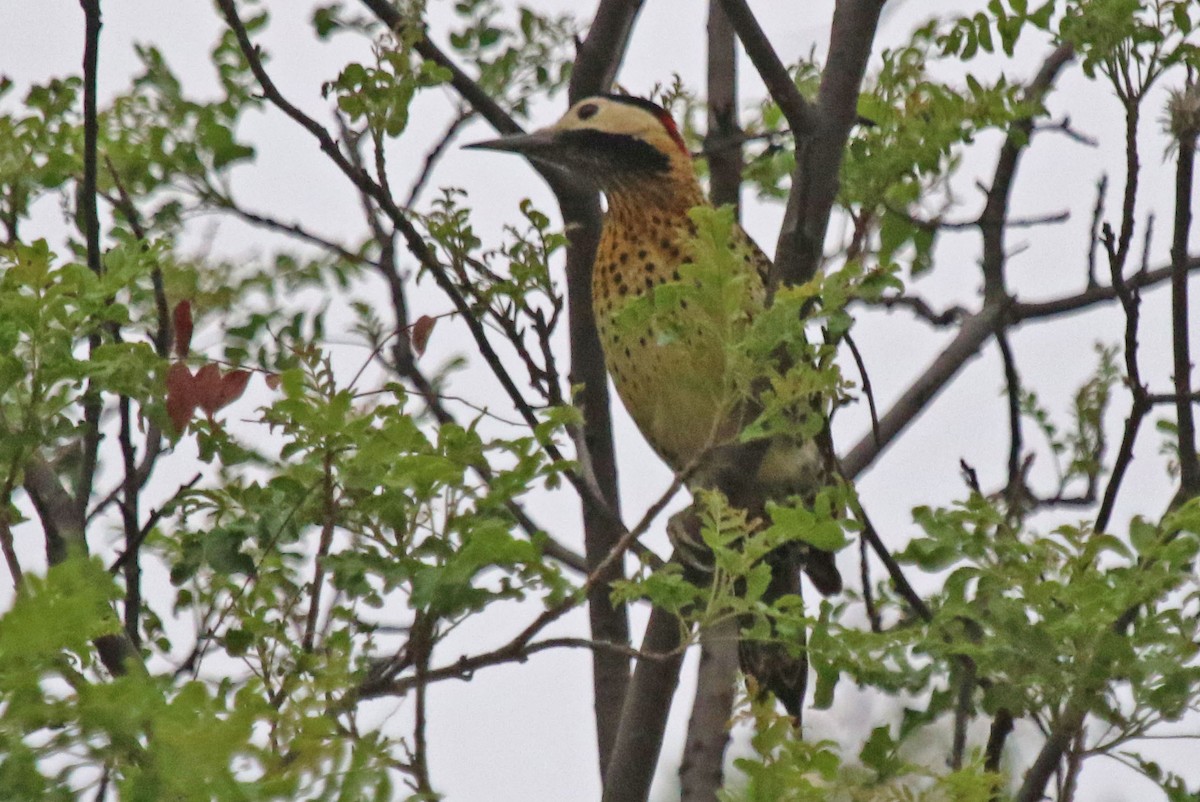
(542, 144)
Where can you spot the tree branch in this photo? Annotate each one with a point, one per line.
(644, 716)
(63, 525)
(90, 223)
(796, 110)
(975, 331)
(701, 774)
(603, 49)
(1189, 465)
(995, 211)
(799, 251)
(1094, 295)
(600, 54)
(470, 91)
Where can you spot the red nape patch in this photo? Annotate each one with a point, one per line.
(668, 122)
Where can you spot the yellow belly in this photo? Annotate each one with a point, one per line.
(676, 389)
(675, 393)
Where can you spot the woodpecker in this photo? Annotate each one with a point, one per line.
(676, 391)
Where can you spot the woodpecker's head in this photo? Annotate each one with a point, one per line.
(606, 140)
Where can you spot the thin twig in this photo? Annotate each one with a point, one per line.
(1094, 238)
(6, 535)
(1012, 383)
(152, 520)
(864, 567)
(866, 384)
(921, 308)
(435, 154)
(329, 509)
(899, 580)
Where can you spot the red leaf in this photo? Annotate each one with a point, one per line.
(183, 328)
(207, 387)
(419, 336)
(233, 384)
(273, 381)
(181, 399)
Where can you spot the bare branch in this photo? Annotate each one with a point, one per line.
(899, 580)
(1189, 464)
(6, 537)
(129, 520)
(975, 331)
(991, 221)
(1094, 239)
(1036, 310)
(644, 715)
(329, 510)
(796, 110)
(866, 384)
(1002, 725)
(91, 131)
(799, 251)
(271, 223)
(701, 774)
(963, 707)
(435, 154)
(599, 57)
(1064, 127)
(868, 592)
(921, 308)
(86, 206)
(702, 770)
(603, 49)
(1015, 485)
(724, 164)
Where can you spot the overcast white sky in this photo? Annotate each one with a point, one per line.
(525, 732)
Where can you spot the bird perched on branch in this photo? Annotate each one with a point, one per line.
(676, 388)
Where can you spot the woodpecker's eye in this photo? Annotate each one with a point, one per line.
(587, 111)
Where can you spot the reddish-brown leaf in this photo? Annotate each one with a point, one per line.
(207, 384)
(233, 384)
(419, 336)
(183, 328)
(273, 381)
(181, 398)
